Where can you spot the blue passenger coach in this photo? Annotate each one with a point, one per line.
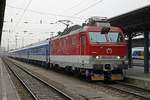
(38, 53)
(138, 53)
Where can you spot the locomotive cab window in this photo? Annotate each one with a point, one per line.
(110, 37)
(115, 37)
(97, 37)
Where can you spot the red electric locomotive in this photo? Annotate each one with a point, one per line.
(96, 50)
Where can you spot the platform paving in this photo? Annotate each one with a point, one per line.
(7, 89)
(136, 76)
(137, 72)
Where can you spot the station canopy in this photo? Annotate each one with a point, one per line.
(133, 22)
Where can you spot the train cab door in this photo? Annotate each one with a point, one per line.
(82, 44)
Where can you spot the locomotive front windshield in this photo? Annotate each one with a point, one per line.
(110, 37)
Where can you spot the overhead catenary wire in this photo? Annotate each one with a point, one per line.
(71, 8)
(23, 13)
(75, 6)
(86, 8)
(27, 9)
(92, 5)
(45, 13)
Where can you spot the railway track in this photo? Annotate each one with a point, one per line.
(39, 89)
(130, 89)
(119, 86)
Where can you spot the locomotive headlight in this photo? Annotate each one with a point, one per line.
(118, 57)
(97, 57)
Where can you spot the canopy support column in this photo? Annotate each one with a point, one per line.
(130, 50)
(146, 51)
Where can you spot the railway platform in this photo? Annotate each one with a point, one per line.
(136, 76)
(7, 89)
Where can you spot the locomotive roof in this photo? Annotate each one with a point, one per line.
(86, 28)
(71, 33)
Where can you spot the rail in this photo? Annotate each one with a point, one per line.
(130, 89)
(37, 87)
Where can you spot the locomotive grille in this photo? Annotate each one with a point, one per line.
(108, 57)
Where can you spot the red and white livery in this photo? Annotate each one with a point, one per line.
(96, 50)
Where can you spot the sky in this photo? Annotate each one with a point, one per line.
(30, 21)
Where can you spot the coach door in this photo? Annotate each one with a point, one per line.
(82, 41)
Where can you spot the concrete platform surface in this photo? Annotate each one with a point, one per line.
(137, 71)
(136, 76)
(7, 89)
(136, 62)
